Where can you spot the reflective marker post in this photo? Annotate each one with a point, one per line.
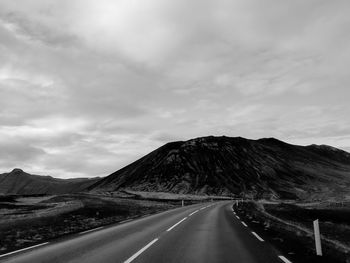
(317, 238)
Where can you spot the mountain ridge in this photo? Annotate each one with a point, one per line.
(19, 182)
(263, 168)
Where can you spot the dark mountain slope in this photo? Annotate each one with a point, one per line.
(19, 182)
(222, 165)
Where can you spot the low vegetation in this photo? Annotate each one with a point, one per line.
(26, 221)
(172, 197)
(290, 227)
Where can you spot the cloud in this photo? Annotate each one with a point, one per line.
(16, 154)
(89, 86)
(17, 151)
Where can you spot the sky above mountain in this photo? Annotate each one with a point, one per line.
(87, 87)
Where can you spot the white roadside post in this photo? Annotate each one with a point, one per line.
(183, 203)
(317, 238)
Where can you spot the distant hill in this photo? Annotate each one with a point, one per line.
(20, 182)
(265, 168)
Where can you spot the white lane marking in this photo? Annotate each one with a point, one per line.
(237, 217)
(258, 237)
(87, 231)
(244, 224)
(193, 213)
(202, 208)
(284, 259)
(23, 249)
(234, 212)
(183, 219)
(138, 253)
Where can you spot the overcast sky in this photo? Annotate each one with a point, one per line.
(88, 86)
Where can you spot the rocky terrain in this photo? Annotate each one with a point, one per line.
(265, 168)
(21, 183)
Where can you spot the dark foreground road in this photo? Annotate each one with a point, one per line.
(197, 233)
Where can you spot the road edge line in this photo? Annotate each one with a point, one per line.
(258, 237)
(90, 230)
(23, 249)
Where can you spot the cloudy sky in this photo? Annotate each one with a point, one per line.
(88, 86)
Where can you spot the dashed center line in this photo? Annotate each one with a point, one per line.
(23, 249)
(138, 253)
(284, 259)
(193, 213)
(169, 229)
(258, 237)
(87, 231)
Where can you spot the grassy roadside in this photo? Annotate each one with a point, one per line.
(29, 221)
(289, 228)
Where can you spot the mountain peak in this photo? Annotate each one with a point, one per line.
(271, 140)
(17, 170)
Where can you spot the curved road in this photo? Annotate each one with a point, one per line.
(196, 233)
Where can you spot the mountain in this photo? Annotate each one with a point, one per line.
(264, 168)
(22, 183)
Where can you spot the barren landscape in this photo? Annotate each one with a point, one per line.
(28, 220)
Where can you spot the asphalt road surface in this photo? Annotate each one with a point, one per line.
(208, 232)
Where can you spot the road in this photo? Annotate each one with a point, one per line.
(208, 232)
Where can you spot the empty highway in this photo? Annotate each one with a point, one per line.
(208, 232)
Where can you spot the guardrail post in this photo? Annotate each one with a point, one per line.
(317, 238)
